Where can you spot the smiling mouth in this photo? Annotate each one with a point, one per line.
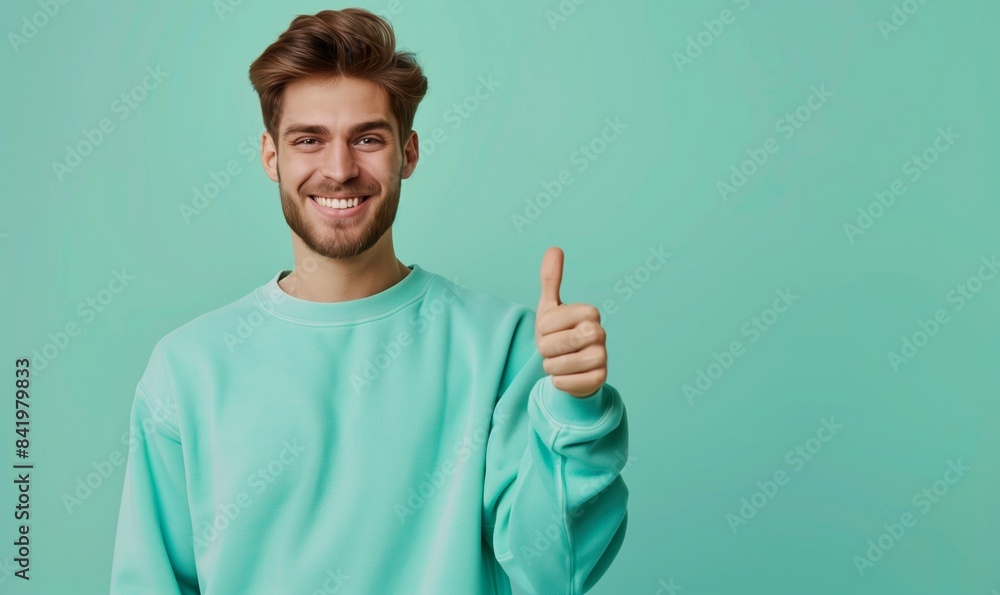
(339, 204)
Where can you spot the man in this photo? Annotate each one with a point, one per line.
(371, 427)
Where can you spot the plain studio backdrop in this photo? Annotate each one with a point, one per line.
(786, 211)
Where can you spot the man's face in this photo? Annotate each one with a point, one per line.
(338, 138)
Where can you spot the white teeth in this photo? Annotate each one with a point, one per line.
(334, 203)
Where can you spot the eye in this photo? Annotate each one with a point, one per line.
(301, 141)
(372, 138)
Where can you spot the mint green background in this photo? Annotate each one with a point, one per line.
(655, 185)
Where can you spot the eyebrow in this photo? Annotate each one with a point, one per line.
(324, 131)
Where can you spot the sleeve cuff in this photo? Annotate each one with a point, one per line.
(564, 408)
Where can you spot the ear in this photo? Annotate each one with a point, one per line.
(411, 153)
(269, 156)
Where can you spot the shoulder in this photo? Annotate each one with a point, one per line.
(505, 326)
(203, 337)
(453, 295)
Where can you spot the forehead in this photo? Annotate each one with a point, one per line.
(334, 102)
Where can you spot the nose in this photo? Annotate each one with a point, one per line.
(339, 163)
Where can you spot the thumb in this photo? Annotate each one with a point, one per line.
(552, 269)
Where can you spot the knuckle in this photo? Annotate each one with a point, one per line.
(539, 327)
(592, 332)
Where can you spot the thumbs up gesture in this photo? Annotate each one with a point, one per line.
(569, 336)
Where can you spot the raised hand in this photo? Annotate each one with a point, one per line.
(569, 336)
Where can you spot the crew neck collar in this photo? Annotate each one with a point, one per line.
(272, 299)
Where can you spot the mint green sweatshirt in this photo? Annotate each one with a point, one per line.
(405, 442)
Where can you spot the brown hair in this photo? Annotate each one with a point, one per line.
(351, 42)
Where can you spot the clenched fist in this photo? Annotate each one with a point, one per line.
(569, 336)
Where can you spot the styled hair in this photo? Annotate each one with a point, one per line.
(352, 42)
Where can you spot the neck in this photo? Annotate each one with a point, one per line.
(320, 279)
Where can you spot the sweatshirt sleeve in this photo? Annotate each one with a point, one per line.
(554, 503)
(154, 550)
